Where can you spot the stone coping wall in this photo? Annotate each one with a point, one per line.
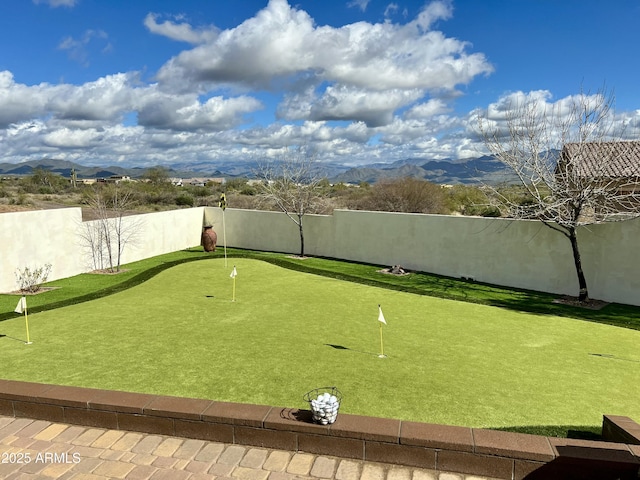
(616, 428)
(470, 451)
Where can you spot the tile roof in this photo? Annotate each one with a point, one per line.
(603, 159)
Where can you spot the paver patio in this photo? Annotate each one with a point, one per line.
(36, 449)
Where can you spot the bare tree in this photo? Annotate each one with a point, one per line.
(91, 239)
(292, 183)
(107, 236)
(571, 162)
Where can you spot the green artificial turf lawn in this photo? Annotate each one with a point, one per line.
(448, 362)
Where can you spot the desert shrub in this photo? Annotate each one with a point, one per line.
(31, 279)
(45, 182)
(471, 200)
(235, 184)
(482, 211)
(208, 201)
(185, 200)
(199, 191)
(21, 199)
(160, 197)
(490, 211)
(157, 176)
(248, 202)
(408, 195)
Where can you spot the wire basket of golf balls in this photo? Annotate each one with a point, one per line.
(325, 403)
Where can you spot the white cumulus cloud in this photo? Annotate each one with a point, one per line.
(357, 72)
(374, 108)
(20, 102)
(68, 138)
(181, 31)
(107, 98)
(187, 113)
(433, 106)
(283, 42)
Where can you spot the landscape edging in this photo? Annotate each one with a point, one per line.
(471, 451)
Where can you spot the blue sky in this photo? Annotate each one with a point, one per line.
(161, 82)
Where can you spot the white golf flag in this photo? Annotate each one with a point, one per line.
(380, 315)
(234, 273)
(22, 305)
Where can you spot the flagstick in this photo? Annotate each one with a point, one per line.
(233, 296)
(224, 235)
(26, 321)
(234, 274)
(381, 320)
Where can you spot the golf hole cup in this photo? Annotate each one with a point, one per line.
(325, 403)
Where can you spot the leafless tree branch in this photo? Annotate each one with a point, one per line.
(292, 183)
(569, 159)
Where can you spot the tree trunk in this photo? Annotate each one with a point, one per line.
(301, 237)
(582, 281)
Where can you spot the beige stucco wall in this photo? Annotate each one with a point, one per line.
(522, 254)
(35, 238)
(164, 232)
(273, 231)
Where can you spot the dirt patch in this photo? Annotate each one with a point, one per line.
(14, 208)
(107, 271)
(588, 304)
(40, 290)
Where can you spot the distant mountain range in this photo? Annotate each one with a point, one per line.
(484, 169)
(64, 168)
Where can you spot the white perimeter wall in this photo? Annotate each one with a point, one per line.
(523, 254)
(33, 239)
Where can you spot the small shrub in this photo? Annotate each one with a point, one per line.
(161, 197)
(200, 191)
(21, 199)
(185, 200)
(491, 211)
(31, 280)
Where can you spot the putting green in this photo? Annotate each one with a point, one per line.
(448, 362)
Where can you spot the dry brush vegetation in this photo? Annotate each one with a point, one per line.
(44, 189)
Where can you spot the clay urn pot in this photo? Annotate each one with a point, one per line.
(209, 239)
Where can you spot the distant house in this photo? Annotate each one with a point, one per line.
(87, 181)
(198, 182)
(202, 182)
(176, 182)
(118, 178)
(611, 165)
(607, 172)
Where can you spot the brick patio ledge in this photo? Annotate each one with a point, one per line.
(471, 451)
